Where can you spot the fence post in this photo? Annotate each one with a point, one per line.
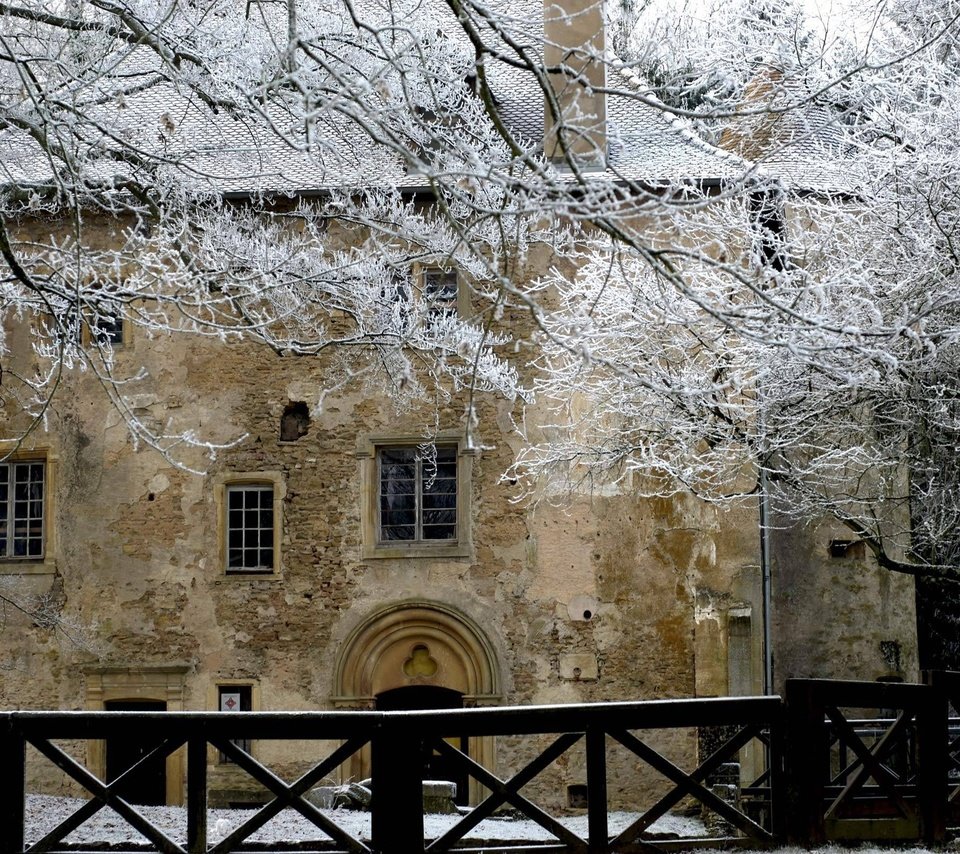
(776, 759)
(933, 740)
(805, 754)
(397, 786)
(196, 794)
(597, 829)
(13, 760)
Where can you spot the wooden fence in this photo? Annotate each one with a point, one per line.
(843, 760)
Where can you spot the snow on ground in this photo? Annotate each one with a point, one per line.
(45, 812)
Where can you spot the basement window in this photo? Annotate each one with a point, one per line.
(235, 698)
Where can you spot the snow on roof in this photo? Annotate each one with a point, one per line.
(270, 153)
(797, 138)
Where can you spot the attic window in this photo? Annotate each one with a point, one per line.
(440, 292)
(107, 329)
(295, 421)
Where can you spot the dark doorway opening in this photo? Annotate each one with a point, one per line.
(124, 749)
(435, 766)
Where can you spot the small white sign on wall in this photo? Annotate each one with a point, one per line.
(230, 701)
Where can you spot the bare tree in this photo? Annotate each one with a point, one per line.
(784, 306)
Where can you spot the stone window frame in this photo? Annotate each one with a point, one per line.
(221, 483)
(90, 338)
(420, 273)
(214, 758)
(372, 547)
(46, 564)
(163, 683)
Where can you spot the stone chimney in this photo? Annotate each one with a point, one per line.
(575, 124)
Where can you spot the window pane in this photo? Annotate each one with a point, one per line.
(398, 455)
(406, 501)
(440, 293)
(21, 514)
(440, 486)
(439, 532)
(435, 502)
(250, 533)
(417, 494)
(109, 329)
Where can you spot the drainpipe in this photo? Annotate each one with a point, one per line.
(765, 583)
(769, 223)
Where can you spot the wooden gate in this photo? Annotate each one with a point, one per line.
(865, 761)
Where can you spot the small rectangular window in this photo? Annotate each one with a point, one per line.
(22, 498)
(235, 698)
(250, 527)
(440, 292)
(417, 494)
(107, 329)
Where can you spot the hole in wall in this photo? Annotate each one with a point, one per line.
(295, 421)
(577, 797)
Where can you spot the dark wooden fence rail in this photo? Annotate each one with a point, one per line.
(397, 742)
(844, 760)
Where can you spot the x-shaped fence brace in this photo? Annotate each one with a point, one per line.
(104, 795)
(508, 791)
(285, 795)
(953, 755)
(289, 795)
(869, 762)
(690, 784)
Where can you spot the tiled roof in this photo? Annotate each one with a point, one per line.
(800, 141)
(242, 155)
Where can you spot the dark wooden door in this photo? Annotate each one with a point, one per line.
(435, 766)
(149, 786)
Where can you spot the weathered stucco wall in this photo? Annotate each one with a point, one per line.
(606, 597)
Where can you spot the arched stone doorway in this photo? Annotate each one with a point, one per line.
(417, 651)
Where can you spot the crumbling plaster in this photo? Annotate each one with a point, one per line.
(137, 560)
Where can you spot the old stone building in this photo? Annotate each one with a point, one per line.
(357, 557)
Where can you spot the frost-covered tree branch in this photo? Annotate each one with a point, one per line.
(748, 264)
